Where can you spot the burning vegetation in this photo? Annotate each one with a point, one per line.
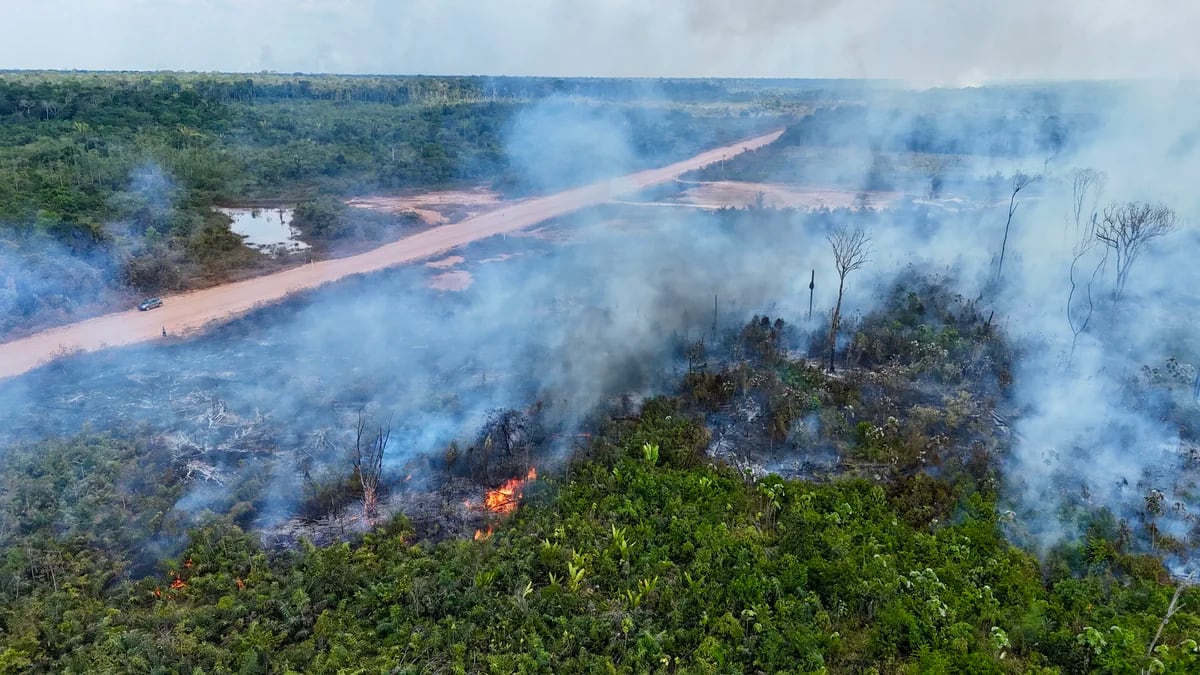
(506, 498)
(892, 459)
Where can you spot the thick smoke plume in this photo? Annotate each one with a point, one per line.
(597, 307)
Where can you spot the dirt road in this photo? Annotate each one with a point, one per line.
(189, 312)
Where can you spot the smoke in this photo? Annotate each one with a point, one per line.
(555, 143)
(53, 271)
(570, 321)
(43, 279)
(597, 306)
(1110, 425)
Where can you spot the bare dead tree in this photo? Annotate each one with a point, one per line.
(850, 251)
(1126, 229)
(368, 462)
(1172, 608)
(1079, 315)
(508, 434)
(1086, 188)
(1085, 195)
(812, 284)
(1020, 181)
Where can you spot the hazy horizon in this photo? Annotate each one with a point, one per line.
(928, 43)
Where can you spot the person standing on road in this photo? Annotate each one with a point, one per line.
(164, 331)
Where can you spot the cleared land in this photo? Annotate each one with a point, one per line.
(189, 312)
(434, 208)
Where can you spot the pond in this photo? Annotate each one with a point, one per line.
(266, 229)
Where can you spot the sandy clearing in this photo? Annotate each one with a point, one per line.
(429, 216)
(434, 208)
(458, 280)
(480, 196)
(187, 313)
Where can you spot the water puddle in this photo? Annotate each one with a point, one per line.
(266, 229)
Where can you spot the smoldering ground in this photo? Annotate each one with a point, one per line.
(601, 310)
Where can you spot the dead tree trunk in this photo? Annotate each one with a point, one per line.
(850, 251)
(1172, 608)
(833, 324)
(1086, 189)
(1020, 182)
(368, 463)
(1079, 322)
(812, 284)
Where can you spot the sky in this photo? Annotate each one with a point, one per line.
(935, 42)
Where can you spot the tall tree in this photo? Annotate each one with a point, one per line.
(850, 251)
(1086, 189)
(1020, 181)
(1126, 229)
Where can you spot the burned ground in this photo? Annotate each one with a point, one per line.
(559, 334)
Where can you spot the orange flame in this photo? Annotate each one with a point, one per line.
(480, 534)
(505, 498)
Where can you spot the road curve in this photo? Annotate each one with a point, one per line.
(189, 312)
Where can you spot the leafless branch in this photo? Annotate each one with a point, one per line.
(1020, 181)
(1172, 608)
(851, 249)
(1086, 189)
(1079, 320)
(368, 462)
(1127, 228)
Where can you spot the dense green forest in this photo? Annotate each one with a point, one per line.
(640, 552)
(107, 181)
(643, 559)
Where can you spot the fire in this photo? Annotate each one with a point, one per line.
(505, 498)
(480, 534)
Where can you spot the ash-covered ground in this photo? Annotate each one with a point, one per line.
(541, 335)
(565, 318)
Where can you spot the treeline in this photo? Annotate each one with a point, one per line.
(269, 87)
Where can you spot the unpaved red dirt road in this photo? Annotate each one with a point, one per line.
(189, 312)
